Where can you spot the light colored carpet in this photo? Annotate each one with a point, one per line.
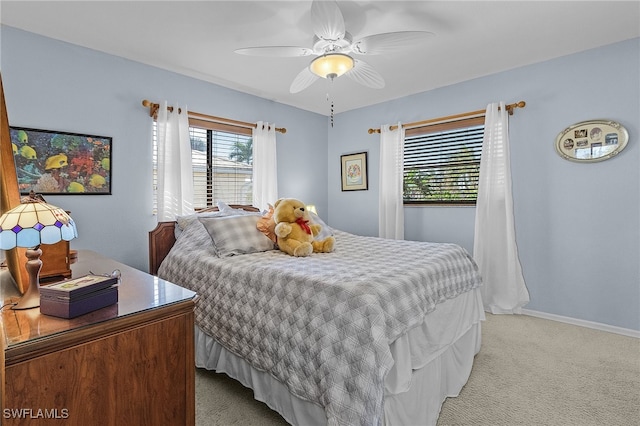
(530, 371)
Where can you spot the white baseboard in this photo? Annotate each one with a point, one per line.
(583, 323)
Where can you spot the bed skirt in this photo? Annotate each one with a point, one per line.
(433, 362)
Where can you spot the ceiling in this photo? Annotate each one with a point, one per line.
(198, 39)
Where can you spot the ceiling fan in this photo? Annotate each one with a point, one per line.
(333, 46)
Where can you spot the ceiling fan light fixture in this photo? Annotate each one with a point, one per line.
(331, 65)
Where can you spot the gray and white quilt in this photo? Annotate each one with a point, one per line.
(321, 325)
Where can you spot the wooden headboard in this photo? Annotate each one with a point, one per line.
(162, 237)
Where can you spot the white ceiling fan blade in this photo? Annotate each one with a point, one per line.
(364, 74)
(327, 20)
(303, 80)
(390, 42)
(275, 51)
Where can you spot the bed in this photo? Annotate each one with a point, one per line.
(379, 332)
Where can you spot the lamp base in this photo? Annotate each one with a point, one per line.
(31, 298)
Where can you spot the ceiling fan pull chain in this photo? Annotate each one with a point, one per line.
(329, 84)
(331, 113)
(331, 108)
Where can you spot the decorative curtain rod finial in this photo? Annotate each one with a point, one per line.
(511, 107)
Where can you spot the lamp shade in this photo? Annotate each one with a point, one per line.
(331, 65)
(33, 223)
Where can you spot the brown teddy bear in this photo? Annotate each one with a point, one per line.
(295, 231)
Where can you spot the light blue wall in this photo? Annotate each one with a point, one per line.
(57, 86)
(577, 225)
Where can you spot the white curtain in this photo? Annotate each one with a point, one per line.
(175, 173)
(391, 210)
(494, 249)
(265, 170)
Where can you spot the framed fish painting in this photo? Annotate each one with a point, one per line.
(61, 163)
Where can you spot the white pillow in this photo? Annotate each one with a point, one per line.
(229, 211)
(234, 235)
(325, 232)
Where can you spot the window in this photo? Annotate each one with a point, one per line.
(442, 162)
(222, 162)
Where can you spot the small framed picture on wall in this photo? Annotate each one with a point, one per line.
(354, 171)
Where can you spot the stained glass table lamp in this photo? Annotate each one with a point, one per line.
(28, 225)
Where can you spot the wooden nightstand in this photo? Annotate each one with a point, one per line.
(130, 363)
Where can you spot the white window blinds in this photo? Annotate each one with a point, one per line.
(442, 162)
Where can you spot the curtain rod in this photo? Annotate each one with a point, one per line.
(479, 112)
(153, 112)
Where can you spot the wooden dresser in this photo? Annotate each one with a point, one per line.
(130, 363)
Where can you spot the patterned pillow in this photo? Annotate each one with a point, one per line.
(233, 235)
(267, 225)
(184, 221)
